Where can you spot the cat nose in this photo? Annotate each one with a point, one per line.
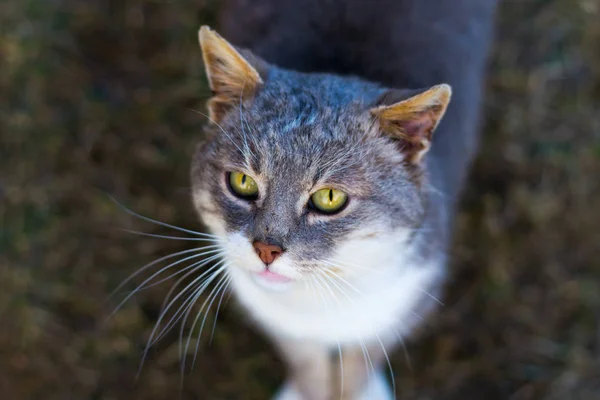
(267, 252)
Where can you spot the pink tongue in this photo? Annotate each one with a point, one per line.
(273, 276)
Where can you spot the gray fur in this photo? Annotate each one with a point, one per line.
(299, 129)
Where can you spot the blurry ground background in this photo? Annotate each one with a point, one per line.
(95, 96)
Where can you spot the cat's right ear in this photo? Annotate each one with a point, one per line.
(411, 116)
(232, 76)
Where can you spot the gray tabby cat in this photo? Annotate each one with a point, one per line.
(333, 217)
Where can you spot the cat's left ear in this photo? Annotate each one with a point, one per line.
(411, 121)
(233, 75)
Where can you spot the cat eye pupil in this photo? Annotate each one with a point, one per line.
(328, 201)
(242, 185)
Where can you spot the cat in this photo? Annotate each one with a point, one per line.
(339, 138)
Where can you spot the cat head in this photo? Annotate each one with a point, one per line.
(303, 174)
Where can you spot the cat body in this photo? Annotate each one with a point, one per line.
(323, 178)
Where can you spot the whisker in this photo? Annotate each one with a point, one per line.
(161, 317)
(193, 271)
(183, 351)
(150, 341)
(336, 285)
(418, 316)
(154, 235)
(312, 290)
(432, 296)
(328, 288)
(195, 292)
(182, 356)
(196, 289)
(406, 356)
(341, 370)
(309, 285)
(365, 351)
(142, 269)
(422, 230)
(389, 366)
(183, 309)
(351, 286)
(156, 274)
(361, 294)
(325, 275)
(198, 292)
(220, 127)
(363, 346)
(221, 285)
(329, 279)
(225, 289)
(338, 343)
(350, 266)
(437, 191)
(153, 221)
(242, 121)
(320, 291)
(367, 357)
(195, 266)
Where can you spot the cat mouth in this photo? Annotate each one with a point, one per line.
(272, 280)
(271, 276)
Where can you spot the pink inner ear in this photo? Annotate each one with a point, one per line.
(418, 127)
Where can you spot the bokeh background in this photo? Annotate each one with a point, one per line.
(96, 97)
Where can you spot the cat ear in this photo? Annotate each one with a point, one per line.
(412, 121)
(231, 76)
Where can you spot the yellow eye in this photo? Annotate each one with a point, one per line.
(243, 186)
(329, 200)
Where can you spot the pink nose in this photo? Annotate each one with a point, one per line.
(267, 252)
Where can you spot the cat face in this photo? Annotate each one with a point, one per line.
(304, 164)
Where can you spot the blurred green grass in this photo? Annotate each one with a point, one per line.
(97, 97)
